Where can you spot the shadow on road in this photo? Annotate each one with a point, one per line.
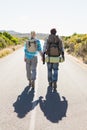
(53, 107)
(24, 103)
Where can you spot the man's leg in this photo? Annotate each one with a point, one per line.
(49, 69)
(55, 75)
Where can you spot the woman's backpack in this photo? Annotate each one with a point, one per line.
(31, 45)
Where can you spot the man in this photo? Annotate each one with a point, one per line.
(53, 48)
(31, 49)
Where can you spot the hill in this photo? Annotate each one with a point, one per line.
(18, 34)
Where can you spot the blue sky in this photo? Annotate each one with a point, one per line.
(67, 16)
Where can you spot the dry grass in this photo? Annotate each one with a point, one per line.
(9, 50)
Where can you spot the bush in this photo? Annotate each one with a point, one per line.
(7, 35)
(77, 45)
(2, 43)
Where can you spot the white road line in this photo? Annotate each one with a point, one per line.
(33, 115)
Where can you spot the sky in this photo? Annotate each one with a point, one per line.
(24, 16)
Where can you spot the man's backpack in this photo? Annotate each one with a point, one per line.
(31, 45)
(53, 48)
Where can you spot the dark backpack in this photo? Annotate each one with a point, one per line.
(31, 45)
(53, 48)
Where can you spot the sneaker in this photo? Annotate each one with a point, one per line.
(33, 84)
(29, 83)
(55, 86)
(50, 84)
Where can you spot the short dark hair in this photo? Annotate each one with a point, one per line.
(53, 31)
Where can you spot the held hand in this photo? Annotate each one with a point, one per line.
(43, 58)
(63, 57)
(25, 59)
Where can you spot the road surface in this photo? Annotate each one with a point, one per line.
(23, 109)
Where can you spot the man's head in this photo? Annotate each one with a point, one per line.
(53, 31)
(33, 34)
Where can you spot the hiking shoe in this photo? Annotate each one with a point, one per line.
(33, 84)
(29, 83)
(50, 84)
(55, 86)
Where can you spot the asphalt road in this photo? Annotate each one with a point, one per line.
(23, 109)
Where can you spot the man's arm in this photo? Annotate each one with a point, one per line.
(62, 48)
(45, 46)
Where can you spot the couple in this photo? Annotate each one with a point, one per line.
(33, 46)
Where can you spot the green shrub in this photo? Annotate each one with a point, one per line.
(2, 43)
(6, 34)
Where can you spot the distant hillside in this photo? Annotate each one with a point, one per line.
(10, 32)
(18, 34)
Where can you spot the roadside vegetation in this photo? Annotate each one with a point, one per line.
(76, 45)
(9, 43)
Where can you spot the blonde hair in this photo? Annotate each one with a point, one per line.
(33, 33)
